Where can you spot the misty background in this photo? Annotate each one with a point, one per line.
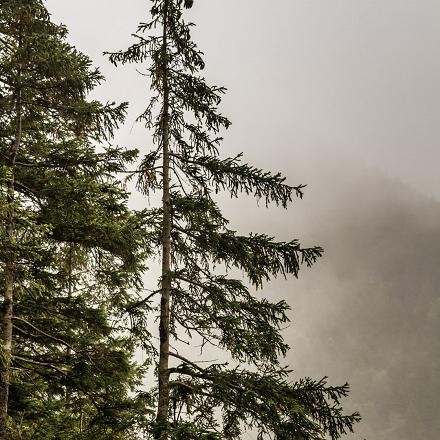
(343, 95)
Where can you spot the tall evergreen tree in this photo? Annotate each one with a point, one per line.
(70, 250)
(198, 300)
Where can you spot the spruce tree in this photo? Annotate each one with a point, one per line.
(71, 251)
(200, 299)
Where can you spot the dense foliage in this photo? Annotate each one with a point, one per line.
(76, 304)
(71, 252)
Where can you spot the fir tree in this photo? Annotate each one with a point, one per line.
(197, 300)
(71, 251)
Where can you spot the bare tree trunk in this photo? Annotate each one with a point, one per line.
(8, 299)
(164, 326)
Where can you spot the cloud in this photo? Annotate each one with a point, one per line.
(369, 312)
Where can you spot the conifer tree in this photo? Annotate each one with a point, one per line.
(70, 249)
(200, 300)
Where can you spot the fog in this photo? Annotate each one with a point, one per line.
(369, 312)
(343, 96)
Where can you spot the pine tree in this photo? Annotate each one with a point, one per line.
(200, 300)
(72, 357)
(71, 250)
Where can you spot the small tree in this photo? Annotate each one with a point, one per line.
(196, 299)
(70, 249)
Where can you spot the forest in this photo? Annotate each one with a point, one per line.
(92, 345)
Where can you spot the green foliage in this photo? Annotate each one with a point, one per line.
(78, 251)
(209, 304)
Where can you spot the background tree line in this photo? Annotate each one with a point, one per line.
(73, 255)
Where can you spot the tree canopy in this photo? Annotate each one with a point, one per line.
(202, 301)
(71, 252)
(78, 301)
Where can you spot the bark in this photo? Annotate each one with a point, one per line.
(69, 296)
(8, 299)
(164, 325)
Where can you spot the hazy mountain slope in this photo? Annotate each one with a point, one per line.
(369, 312)
(377, 296)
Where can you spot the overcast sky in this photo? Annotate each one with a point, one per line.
(343, 95)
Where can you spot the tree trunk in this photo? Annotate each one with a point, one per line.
(8, 299)
(69, 296)
(7, 348)
(164, 326)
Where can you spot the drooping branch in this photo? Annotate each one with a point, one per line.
(47, 335)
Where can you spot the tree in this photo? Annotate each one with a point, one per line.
(71, 251)
(199, 297)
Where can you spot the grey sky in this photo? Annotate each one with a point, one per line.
(352, 76)
(343, 95)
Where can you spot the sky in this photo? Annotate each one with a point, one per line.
(343, 96)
